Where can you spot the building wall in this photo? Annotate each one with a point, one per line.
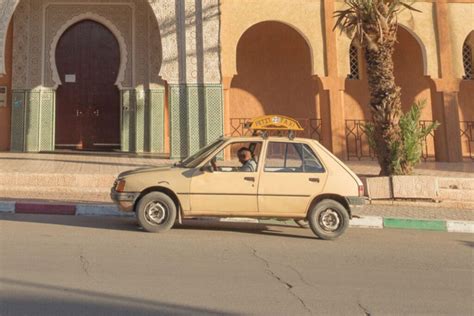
(6, 80)
(166, 46)
(273, 74)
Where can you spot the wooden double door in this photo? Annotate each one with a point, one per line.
(88, 101)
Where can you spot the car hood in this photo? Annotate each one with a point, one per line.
(145, 170)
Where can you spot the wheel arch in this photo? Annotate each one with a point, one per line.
(330, 196)
(164, 190)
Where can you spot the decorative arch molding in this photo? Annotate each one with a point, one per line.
(97, 18)
(346, 43)
(420, 44)
(6, 14)
(291, 26)
(164, 11)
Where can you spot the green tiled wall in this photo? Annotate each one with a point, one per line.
(32, 120)
(196, 117)
(143, 120)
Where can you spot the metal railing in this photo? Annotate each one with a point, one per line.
(357, 142)
(311, 126)
(467, 138)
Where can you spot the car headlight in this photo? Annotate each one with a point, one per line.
(120, 185)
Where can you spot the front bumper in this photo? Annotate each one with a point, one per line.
(124, 200)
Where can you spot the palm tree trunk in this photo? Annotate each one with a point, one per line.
(385, 105)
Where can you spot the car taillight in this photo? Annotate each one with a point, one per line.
(120, 186)
(361, 190)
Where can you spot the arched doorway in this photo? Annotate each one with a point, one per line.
(274, 77)
(88, 101)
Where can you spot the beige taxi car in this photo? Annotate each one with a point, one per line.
(260, 176)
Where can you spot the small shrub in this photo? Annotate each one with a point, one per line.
(412, 135)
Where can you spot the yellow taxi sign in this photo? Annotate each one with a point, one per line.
(275, 122)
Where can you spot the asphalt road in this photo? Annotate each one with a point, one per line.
(64, 265)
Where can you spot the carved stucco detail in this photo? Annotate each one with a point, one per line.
(170, 14)
(98, 18)
(20, 45)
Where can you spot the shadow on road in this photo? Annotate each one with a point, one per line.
(130, 225)
(30, 298)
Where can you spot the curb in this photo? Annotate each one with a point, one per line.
(373, 222)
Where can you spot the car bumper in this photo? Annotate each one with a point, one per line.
(356, 200)
(124, 200)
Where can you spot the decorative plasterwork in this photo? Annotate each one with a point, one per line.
(95, 17)
(191, 57)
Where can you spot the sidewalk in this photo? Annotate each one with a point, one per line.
(82, 181)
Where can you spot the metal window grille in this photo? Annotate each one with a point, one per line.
(467, 139)
(467, 61)
(353, 63)
(357, 142)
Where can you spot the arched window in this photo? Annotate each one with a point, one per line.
(353, 63)
(467, 61)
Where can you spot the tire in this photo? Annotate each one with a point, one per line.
(328, 219)
(156, 212)
(302, 223)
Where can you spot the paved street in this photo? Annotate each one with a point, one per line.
(65, 265)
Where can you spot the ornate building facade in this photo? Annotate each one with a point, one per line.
(167, 76)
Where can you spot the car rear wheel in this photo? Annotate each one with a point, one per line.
(328, 219)
(156, 212)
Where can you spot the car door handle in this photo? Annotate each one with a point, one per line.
(249, 179)
(314, 180)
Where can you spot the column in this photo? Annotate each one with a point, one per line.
(445, 107)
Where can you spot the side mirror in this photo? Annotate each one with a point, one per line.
(207, 168)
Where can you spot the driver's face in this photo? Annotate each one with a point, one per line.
(244, 156)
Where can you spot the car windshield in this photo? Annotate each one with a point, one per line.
(195, 159)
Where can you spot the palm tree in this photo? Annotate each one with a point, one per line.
(373, 25)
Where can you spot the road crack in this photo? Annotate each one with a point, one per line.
(84, 264)
(366, 311)
(286, 284)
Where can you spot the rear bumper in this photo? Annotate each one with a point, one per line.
(124, 200)
(356, 200)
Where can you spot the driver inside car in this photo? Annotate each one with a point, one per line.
(245, 158)
(248, 163)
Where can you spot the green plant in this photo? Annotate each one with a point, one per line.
(407, 154)
(373, 25)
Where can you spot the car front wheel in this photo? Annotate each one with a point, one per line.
(156, 212)
(328, 219)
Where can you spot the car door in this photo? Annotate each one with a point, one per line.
(226, 190)
(292, 175)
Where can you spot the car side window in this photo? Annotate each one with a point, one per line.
(291, 157)
(237, 157)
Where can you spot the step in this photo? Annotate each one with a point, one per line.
(456, 195)
(56, 180)
(456, 183)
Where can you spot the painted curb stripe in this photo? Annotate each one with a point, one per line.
(7, 207)
(100, 210)
(438, 225)
(367, 222)
(460, 227)
(49, 209)
(112, 210)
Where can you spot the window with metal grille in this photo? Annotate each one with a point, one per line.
(353, 63)
(467, 61)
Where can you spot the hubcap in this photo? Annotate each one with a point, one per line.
(155, 212)
(329, 220)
